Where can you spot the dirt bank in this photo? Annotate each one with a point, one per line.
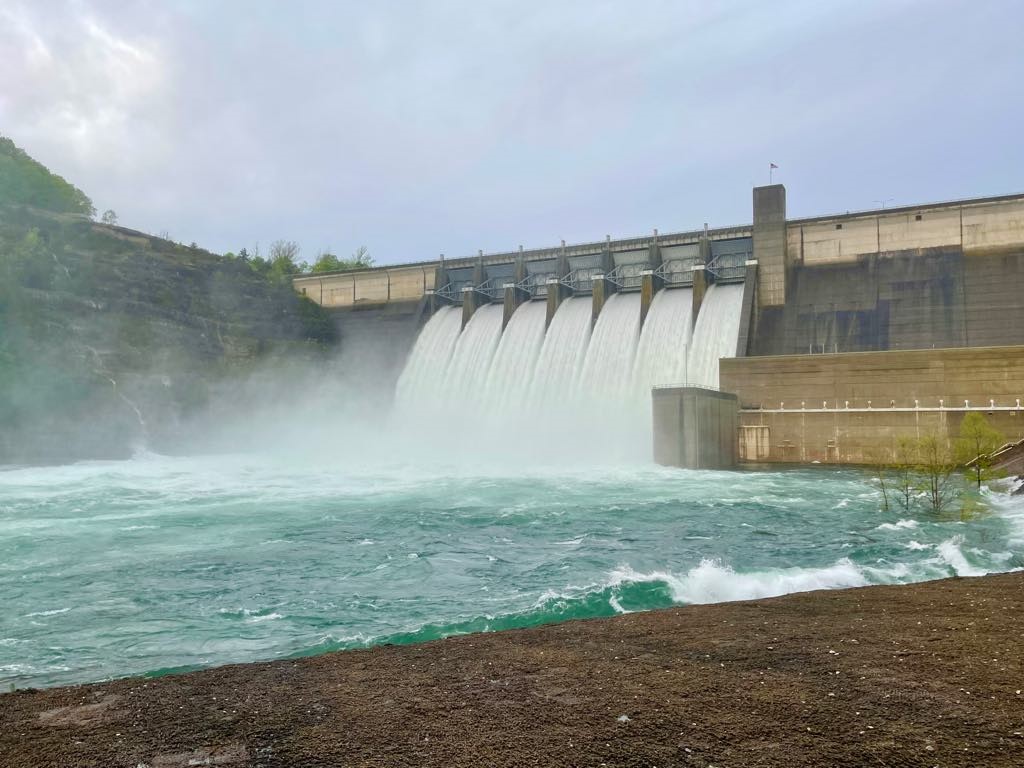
(921, 675)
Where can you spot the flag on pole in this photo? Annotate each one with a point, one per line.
(772, 166)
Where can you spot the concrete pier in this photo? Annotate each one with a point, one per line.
(650, 284)
(700, 287)
(472, 300)
(695, 428)
(514, 296)
(603, 289)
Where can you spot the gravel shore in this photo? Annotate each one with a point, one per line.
(920, 675)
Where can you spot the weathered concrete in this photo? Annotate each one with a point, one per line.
(695, 428)
(472, 300)
(770, 244)
(513, 298)
(603, 289)
(649, 286)
(852, 408)
(749, 311)
(700, 288)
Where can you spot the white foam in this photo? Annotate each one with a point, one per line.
(265, 617)
(951, 554)
(47, 613)
(715, 582)
(907, 524)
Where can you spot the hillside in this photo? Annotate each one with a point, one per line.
(110, 339)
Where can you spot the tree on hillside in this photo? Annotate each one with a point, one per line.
(328, 262)
(977, 440)
(109, 217)
(24, 181)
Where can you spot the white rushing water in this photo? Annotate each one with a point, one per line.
(664, 341)
(608, 368)
(574, 385)
(511, 373)
(716, 333)
(423, 378)
(561, 356)
(465, 382)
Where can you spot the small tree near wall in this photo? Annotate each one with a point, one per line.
(977, 441)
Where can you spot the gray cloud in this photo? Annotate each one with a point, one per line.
(418, 128)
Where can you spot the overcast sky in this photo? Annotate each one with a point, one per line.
(418, 128)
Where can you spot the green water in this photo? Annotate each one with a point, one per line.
(155, 564)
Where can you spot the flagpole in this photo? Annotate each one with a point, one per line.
(771, 173)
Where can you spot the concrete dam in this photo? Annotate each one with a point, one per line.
(836, 334)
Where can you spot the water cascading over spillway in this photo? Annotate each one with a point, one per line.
(561, 357)
(423, 379)
(716, 333)
(466, 379)
(574, 387)
(511, 372)
(608, 369)
(661, 356)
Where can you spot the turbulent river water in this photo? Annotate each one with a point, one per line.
(158, 563)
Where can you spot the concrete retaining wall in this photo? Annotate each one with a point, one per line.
(851, 408)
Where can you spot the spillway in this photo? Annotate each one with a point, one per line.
(576, 386)
(608, 369)
(465, 391)
(661, 356)
(716, 333)
(421, 383)
(511, 371)
(561, 357)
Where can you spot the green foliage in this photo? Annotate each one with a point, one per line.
(328, 262)
(24, 181)
(109, 217)
(27, 262)
(924, 470)
(977, 441)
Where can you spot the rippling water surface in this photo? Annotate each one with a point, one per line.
(156, 564)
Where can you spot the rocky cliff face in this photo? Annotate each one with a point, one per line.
(111, 339)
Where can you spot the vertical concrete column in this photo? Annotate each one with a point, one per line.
(441, 279)
(770, 244)
(556, 292)
(700, 287)
(654, 252)
(748, 316)
(520, 272)
(514, 296)
(472, 300)
(603, 289)
(556, 289)
(650, 284)
(607, 260)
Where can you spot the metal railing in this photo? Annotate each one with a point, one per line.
(677, 271)
(889, 407)
(729, 267)
(627, 277)
(581, 280)
(536, 284)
